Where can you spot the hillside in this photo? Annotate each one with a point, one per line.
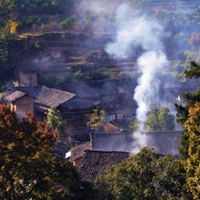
(66, 39)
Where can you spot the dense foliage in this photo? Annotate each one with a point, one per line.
(188, 115)
(28, 168)
(192, 164)
(189, 100)
(160, 120)
(97, 120)
(144, 176)
(55, 121)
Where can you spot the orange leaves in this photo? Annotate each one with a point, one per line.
(13, 26)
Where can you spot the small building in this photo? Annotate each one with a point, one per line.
(20, 102)
(39, 99)
(26, 76)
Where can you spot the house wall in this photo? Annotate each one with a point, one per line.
(27, 78)
(110, 102)
(78, 162)
(76, 118)
(22, 105)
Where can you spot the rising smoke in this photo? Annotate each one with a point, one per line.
(135, 31)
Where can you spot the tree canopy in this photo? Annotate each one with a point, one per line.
(97, 120)
(160, 119)
(28, 167)
(192, 164)
(146, 175)
(55, 120)
(189, 100)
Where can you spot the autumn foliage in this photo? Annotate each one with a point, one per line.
(28, 167)
(192, 126)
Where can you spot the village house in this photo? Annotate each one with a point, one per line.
(20, 102)
(26, 76)
(107, 149)
(113, 96)
(27, 96)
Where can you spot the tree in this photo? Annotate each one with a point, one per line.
(147, 175)
(189, 100)
(134, 125)
(28, 168)
(160, 120)
(55, 120)
(192, 164)
(97, 120)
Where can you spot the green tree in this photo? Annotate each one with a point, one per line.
(97, 120)
(146, 175)
(192, 164)
(6, 13)
(56, 122)
(160, 120)
(28, 168)
(134, 125)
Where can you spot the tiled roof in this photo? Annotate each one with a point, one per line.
(14, 96)
(32, 91)
(53, 97)
(79, 151)
(96, 163)
(78, 103)
(110, 128)
(49, 97)
(97, 88)
(166, 143)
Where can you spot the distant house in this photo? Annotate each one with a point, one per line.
(96, 163)
(26, 76)
(39, 99)
(20, 102)
(113, 96)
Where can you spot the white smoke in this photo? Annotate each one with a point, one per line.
(134, 32)
(151, 64)
(140, 141)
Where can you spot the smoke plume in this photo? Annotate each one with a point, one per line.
(134, 32)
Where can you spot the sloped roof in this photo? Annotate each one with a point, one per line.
(49, 97)
(78, 103)
(165, 143)
(110, 128)
(79, 151)
(96, 163)
(14, 96)
(53, 97)
(32, 91)
(109, 88)
(4, 95)
(82, 89)
(98, 88)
